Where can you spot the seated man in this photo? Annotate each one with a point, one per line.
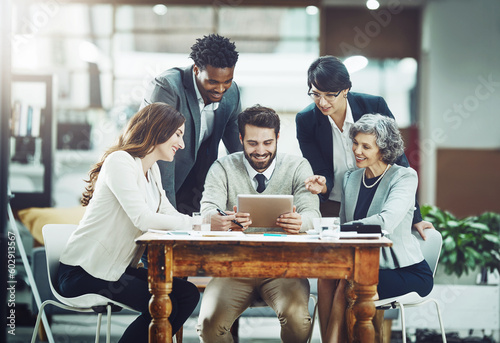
(225, 299)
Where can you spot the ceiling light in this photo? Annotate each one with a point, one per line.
(355, 63)
(160, 9)
(408, 65)
(372, 4)
(312, 10)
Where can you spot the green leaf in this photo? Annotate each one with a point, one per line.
(449, 243)
(479, 226)
(492, 238)
(495, 254)
(424, 210)
(453, 257)
(471, 264)
(474, 255)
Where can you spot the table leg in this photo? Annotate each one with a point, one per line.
(365, 287)
(364, 310)
(160, 286)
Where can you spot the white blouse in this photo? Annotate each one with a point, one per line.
(104, 242)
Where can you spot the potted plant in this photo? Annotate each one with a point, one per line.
(469, 243)
(470, 249)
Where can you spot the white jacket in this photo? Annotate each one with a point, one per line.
(104, 242)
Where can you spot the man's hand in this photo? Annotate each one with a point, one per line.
(242, 218)
(316, 184)
(224, 223)
(290, 222)
(421, 226)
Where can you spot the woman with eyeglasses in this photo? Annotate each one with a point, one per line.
(323, 134)
(323, 129)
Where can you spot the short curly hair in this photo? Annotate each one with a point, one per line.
(214, 50)
(388, 137)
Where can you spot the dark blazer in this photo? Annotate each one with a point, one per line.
(314, 134)
(176, 87)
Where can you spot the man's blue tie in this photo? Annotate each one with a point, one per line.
(261, 180)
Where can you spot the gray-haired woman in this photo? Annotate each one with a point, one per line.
(381, 193)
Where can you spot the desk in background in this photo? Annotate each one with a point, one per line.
(259, 256)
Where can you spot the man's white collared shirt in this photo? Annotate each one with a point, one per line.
(207, 114)
(252, 172)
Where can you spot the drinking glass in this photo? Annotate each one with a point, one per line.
(197, 220)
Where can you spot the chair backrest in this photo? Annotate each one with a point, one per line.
(55, 237)
(431, 247)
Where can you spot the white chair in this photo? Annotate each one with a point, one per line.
(431, 249)
(55, 237)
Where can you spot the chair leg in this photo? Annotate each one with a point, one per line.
(37, 323)
(42, 334)
(98, 329)
(108, 332)
(403, 324)
(43, 318)
(443, 333)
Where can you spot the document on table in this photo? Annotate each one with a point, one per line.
(172, 233)
(239, 235)
(200, 233)
(356, 235)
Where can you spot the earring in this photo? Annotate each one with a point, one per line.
(345, 95)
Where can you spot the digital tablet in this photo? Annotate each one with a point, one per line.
(264, 209)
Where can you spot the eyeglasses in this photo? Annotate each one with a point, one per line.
(327, 97)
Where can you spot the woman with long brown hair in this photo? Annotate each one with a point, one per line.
(125, 198)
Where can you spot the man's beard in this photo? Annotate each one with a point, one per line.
(260, 165)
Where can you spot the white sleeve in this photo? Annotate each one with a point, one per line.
(121, 176)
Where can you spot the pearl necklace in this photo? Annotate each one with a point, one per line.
(379, 178)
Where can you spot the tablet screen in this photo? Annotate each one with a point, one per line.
(264, 209)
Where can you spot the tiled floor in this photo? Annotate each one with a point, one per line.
(81, 329)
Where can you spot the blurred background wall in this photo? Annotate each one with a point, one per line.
(436, 62)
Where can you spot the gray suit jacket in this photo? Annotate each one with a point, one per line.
(175, 87)
(392, 208)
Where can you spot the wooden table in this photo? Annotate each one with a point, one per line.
(259, 256)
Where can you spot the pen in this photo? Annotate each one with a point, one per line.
(274, 235)
(222, 213)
